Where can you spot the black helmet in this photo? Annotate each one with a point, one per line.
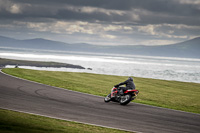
(130, 78)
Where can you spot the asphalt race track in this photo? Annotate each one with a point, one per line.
(26, 96)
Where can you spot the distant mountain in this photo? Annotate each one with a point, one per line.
(37, 43)
(187, 49)
(42, 44)
(190, 48)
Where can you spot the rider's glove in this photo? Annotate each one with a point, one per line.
(116, 86)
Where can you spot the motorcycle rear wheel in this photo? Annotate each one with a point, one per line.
(125, 99)
(107, 98)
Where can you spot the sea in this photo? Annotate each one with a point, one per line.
(165, 68)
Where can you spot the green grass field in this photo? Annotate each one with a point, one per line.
(168, 94)
(15, 122)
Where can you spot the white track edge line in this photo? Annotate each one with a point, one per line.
(57, 118)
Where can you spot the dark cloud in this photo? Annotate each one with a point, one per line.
(173, 6)
(128, 17)
(166, 11)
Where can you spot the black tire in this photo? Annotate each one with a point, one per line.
(107, 98)
(125, 99)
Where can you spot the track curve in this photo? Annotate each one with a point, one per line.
(26, 96)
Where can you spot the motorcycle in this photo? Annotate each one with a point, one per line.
(124, 99)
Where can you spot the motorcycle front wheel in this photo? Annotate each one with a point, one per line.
(107, 98)
(125, 99)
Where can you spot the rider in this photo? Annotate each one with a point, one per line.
(129, 85)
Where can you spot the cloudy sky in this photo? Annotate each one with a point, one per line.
(103, 22)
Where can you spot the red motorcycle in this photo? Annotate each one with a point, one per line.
(124, 99)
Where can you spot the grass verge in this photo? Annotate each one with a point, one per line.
(168, 94)
(15, 122)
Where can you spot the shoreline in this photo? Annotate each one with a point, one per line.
(166, 74)
(4, 62)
